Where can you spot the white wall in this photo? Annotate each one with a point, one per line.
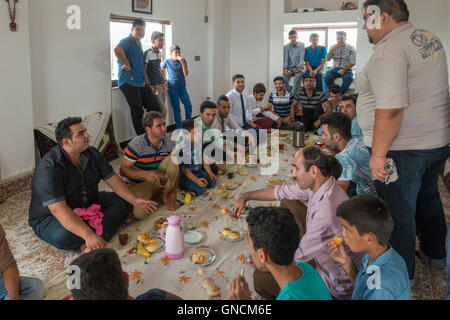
(16, 114)
(326, 4)
(71, 69)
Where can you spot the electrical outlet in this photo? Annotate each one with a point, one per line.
(197, 58)
(206, 19)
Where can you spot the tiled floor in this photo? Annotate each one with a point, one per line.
(38, 259)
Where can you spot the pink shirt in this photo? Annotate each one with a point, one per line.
(322, 225)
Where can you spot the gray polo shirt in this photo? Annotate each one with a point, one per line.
(294, 57)
(408, 69)
(344, 56)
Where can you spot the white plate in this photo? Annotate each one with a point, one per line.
(241, 232)
(161, 244)
(193, 237)
(212, 257)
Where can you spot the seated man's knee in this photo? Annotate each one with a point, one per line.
(31, 288)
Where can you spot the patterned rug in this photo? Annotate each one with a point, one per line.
(36, 258)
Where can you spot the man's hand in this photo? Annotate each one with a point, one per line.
(180, 58)
(239, 289)
(126, 67)
(202, 182)
(94, 242)
(147, 205)
(166, 83)
(338, 253)
(251, 124)
(152, 176)
(314, 73)
(240, 205)
(279, 122)
(154, 90)
(377, 166)
(212, 176)
(317, 124)
(287, 72)
(341, 72)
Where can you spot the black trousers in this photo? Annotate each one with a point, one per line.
(310, 116)
(139, 98)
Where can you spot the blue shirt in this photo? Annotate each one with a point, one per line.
(294, 57)
(310, 286)
(314, 57)
(354, 160)
(356, 130)
(281, 104)
(394, 280)
(175, 73)
(135, 55)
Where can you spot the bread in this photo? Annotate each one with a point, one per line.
(230, 185)
(232, 235)
(152, 246)
(200, 256)
(211, 289)
(244, 172)
(145, 239)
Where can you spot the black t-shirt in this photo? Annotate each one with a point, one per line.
(56, 179)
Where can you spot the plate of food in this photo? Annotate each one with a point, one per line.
(214, 286)
(148, 245)
(276, 182)
(231, 185)
(159, 223)
(203, 256)
(233, 234)
(193, 237)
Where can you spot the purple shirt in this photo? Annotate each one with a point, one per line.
(322, 225)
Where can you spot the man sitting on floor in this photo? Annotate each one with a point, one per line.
(312, 103)
(146, 159)
(223, 120)
(282, 103)
(315, 174)
(13, 286)
(102, 278)
(264, 118)
(335, 98)
(367, 227)
(65, 187)
(273, 237)
(349, 108)
(351, 153)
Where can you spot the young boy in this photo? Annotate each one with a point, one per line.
(367, 225)
(196, 175)
(273, 237)
(264, 118)
(177, 72)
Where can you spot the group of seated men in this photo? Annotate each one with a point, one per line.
(68, 211)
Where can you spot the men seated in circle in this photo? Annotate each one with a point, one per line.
(65, 187)
(264, 118)
(349, 108)
(294, 62)
(315, 60)
(196, 174)
(312, 104)
(147, 164)
(102, 278)
(344, 59)
(367, 225)
(335, 98)
(273, 238)
(282, 103)
(315, 174)
(351, 153)
(12, 285)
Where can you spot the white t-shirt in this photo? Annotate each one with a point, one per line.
(408, 69)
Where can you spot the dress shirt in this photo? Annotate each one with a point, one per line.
(236, 107)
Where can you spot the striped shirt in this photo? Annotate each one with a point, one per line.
(318, 98)
(141, 152)
(281, 104)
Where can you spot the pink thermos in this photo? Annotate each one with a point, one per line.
(174, 238)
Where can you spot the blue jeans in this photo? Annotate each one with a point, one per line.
(297, 80)
(415, 204)
(188, 185)
(177, 94)
(332, 74)
(115, 211)
(29, 289)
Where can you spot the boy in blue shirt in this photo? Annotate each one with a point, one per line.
(273, 237)
(367, 225)
(177, 72)
(196, 175)
(315, 60)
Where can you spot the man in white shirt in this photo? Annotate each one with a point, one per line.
(240, 103)
(223, 119)
(265, 119)
(403, 111)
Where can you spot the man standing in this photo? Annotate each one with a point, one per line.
(12, 286)
(147, 160)
(344, 59)
(64, 189)
(403, 110)
(154, 76)
(130, 58)
(315, 59)
(294, 62)
(312, 103)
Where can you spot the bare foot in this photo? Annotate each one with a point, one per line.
(170, 201)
